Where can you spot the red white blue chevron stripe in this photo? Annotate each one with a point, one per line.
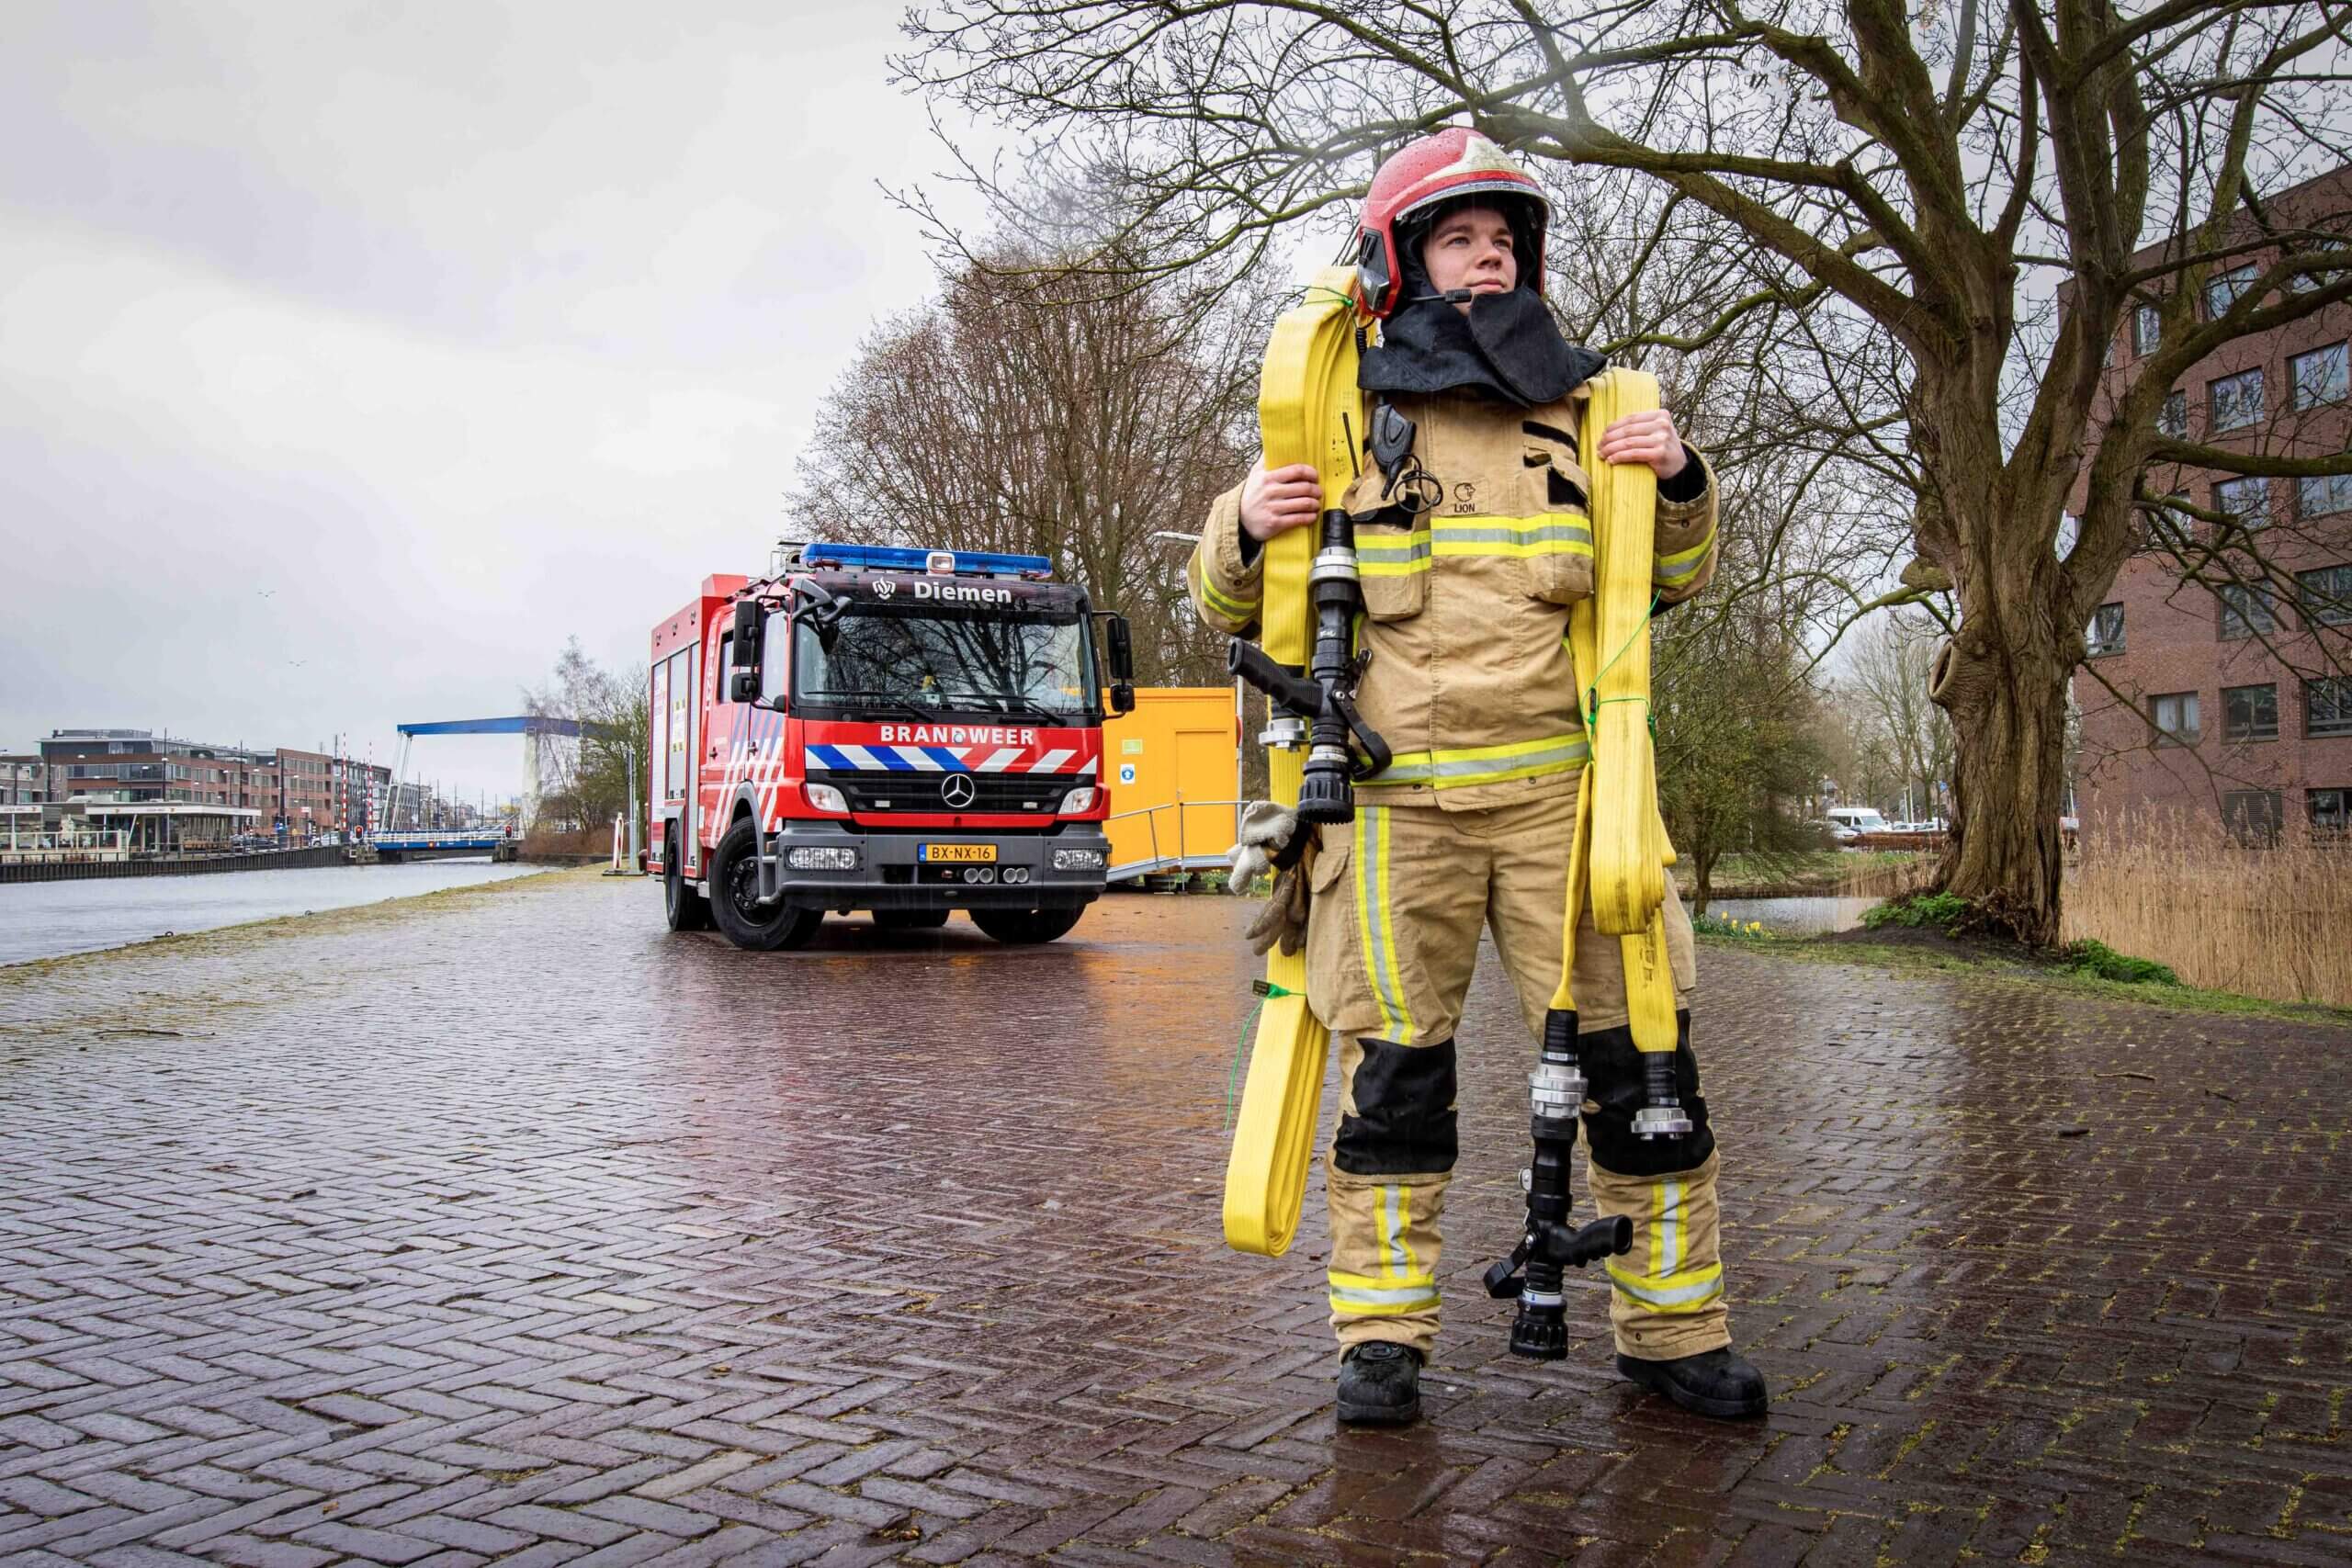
(877, 758)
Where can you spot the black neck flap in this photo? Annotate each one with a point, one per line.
(1508, 347)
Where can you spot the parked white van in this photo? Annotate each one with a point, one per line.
(1852, 821)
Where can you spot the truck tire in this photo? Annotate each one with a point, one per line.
(910, 919)
(683, 908)
(1023, 927)
(734, 883)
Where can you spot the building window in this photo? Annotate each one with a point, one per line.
(2325, 595)
(2250, 713)
(2173, 418)
(2330, 809)
(2318, 378)
(2251, 817)
(2175, 717)
(2246, 609)
(2317, 498)
(2105, 633)
(2327, 706)
(2147, 329)
(2234, 401)
(2224, 289)
(2245, 500)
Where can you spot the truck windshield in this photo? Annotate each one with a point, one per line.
(931, 659)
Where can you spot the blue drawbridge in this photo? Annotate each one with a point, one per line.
(532, 728)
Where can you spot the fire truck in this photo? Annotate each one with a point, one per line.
(908, 732)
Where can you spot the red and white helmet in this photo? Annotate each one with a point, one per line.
(1455, 161)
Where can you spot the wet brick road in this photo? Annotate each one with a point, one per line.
(502, 1227)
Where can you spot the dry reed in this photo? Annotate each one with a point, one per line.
(1885, 877)
(2220, 915)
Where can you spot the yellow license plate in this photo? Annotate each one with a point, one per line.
(984, 854)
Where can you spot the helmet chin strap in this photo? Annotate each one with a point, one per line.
(1450, 296)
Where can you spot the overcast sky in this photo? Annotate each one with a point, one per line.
(352, 357)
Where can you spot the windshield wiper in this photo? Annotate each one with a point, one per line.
(1016, 707)
(867, 703)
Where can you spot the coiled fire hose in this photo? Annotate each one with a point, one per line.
(1309, 411)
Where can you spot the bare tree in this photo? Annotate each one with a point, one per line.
(583, 781)
(1040, 410)
(1886, 690)
(1937, 174)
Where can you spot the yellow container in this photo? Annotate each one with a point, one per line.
(1173, 768)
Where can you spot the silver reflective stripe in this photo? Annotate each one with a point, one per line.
(1666, 1257)
(1392, 1295)
(1557, 533)
(1568, 753)
(1649, 1293)
(1371, 915)
(1415, 548)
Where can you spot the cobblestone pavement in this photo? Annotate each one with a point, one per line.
(502, 1226)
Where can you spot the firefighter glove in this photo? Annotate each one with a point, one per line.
(1266, 829)
(1283, 918)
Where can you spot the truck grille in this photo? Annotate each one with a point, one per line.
(918, 792)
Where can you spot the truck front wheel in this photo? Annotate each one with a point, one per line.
(734, 897)
(1021, 927)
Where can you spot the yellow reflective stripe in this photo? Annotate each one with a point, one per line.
(1375, 931)
(1398, 555)
(1476, 535)
(1361, 1296)
(1456, 766)
(1688, 1292)
(1512, 539)
(1388, 940)
(1682, 564)
(1223, 603)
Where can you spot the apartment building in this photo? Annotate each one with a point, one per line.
(2226, 693)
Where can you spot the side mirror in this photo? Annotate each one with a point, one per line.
(743, 677)
(1122, 664)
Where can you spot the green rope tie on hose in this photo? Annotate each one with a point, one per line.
(1264, 988)
(1592, 701)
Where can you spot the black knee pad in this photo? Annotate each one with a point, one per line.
(1404, 1123)
(1613, 1070)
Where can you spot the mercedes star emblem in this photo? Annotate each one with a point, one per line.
(958, 791)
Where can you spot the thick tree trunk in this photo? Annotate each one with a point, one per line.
(2008, 711)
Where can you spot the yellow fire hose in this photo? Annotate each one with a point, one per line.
(1308, 383)
(1620, 853)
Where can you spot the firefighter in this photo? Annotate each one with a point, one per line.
(1472, 543)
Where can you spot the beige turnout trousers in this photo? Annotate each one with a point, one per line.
(1400, 898)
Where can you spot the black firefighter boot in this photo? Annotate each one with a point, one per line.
(1712, 1382)
(1380, 1384)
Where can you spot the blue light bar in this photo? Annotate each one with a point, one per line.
(898, 558)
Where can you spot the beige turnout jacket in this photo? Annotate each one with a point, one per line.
(1471, 681)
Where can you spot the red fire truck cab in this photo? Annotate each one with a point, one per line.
(908, 732)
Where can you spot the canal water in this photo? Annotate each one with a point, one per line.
(44, 919)
(1794, 916)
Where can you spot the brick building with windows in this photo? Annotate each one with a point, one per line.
(298, 794)
(2226, 691)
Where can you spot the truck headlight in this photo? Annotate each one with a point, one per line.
(1077, 860)
(825, 797)
(822, 857)
(1079, 799)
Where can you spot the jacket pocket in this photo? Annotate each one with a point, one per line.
(1556, 495)
(1393, 567)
